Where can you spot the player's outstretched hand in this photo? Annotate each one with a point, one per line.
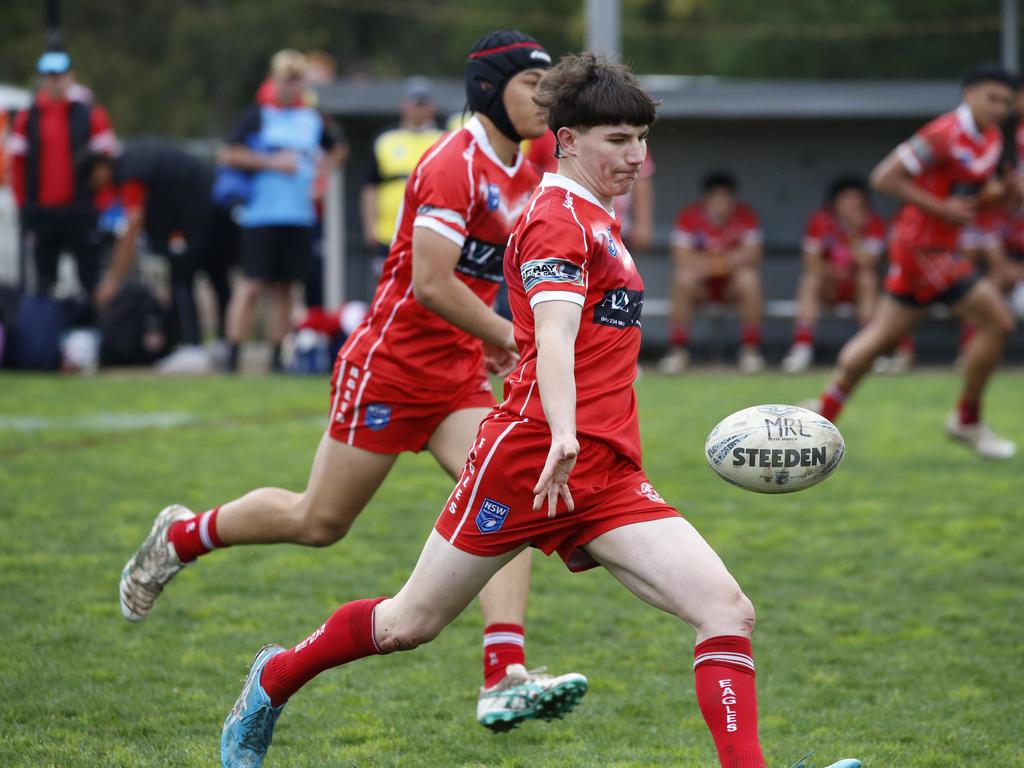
(959, 210)
(554, 480)
(500, 361)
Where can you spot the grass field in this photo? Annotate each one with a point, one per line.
(889, 599)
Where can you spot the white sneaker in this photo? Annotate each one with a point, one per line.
(674, 362)
(980, 438)
(750, 360)
(153, 565)
(798, 359)
(526, 695)
(185, 360)
(895, 364)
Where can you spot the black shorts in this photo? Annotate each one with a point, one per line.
(949, 297)
(280, 254)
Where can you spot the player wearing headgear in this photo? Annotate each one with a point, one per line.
(941, 173)
(843, 242)
(557, 464)
(413, 376)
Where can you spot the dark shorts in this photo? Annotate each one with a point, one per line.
(949, 297)
(279, 254)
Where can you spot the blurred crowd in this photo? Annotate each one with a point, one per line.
(249, 221)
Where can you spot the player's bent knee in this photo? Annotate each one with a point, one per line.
(318, 529)
(730, 613)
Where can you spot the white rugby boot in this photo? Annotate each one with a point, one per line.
(798, 359)
(750, 360)
(153, 565)
(674, 362)
(527, 695)
(980, 438)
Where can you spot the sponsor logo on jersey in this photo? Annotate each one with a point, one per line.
(377, 416)
(482, 260)
(647, 491)
(780, 457)
(550, 271)
(491, 516)
(620, 308)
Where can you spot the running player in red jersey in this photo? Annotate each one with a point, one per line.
(842, 245)
(717, 250)
(412, 376)
(942, 173)
(557, 464)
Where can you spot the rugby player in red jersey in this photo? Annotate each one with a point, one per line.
(717, 251)
(412, 376)
(843, 243)
(942, 173)
(557, 464)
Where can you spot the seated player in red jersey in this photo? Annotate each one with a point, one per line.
(942, 173)
(557, 465)
(412, 376)
(842, 246)
(717, 250)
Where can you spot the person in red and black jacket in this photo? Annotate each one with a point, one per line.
(57, 209)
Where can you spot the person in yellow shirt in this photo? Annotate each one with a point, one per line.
(396, 151)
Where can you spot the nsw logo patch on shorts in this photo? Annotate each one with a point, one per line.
(491, 516)
(377, 416)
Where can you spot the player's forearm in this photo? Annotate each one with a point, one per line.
(453, 300)
(123, 256)
(242, 158)
(556, 379)
(368, 211)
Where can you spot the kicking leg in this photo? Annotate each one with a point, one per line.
(443, 583)
(669, 565)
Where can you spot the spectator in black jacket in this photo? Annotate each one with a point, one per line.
(166, 193)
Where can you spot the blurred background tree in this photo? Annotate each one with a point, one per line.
(184, 67)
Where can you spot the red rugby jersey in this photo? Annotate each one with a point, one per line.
(695, 229)
(826, 234)
(949, 156)
(462, 191)
(568, 247)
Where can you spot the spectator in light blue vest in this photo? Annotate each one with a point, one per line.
(281, 143)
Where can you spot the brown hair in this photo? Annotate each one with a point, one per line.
(586, 90)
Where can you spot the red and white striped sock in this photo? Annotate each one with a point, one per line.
(723, 669)
(803, 333)
(346, 636)
(195, 537)
(504, 644)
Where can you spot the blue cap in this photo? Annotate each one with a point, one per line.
(53, 63)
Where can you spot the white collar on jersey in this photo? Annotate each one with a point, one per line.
(557, 180)
(475, 127)
(966, 119)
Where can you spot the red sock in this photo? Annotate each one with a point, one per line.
(504, 644)
(345, 637)
(803, 333)
(750, 335)
(724, 680)
(970, 412)
(678, 336)
(906, 345)
(966, 334)
(832, 400)
(195, 537)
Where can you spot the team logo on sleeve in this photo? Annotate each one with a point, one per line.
(550, 271)
(377, 416)
(491, 516)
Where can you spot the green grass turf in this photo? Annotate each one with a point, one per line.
(889, 598)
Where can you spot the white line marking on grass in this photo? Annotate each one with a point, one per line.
(97, 422)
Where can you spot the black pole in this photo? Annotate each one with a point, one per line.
(54, 35)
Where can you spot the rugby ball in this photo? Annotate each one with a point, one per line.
(774, 448)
